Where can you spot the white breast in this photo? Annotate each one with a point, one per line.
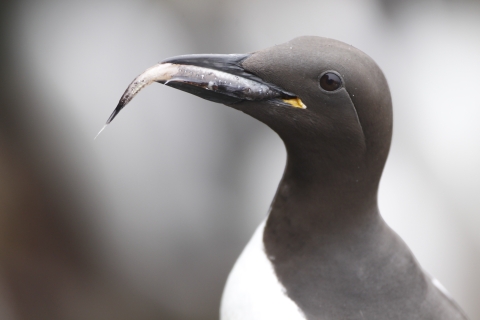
(253, 291)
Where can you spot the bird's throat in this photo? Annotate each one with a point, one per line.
(316, 200)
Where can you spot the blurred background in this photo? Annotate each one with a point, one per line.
(146, 221)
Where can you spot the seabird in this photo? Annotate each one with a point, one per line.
(324, 252)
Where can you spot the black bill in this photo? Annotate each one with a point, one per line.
(215, 77)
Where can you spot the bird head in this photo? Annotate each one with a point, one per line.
(327, 100)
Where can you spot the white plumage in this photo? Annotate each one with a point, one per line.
(253, 291)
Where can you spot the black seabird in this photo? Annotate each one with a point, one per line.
(324, 251)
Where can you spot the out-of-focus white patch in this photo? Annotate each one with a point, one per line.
(253, 291)
(440, 287)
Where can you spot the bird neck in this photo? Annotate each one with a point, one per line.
(324, 237)
(318, 196)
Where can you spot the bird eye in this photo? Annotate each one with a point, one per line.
(330, 81)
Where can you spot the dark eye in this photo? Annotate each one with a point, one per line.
(330, 81)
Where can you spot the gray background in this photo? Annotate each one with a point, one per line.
(146, 221)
